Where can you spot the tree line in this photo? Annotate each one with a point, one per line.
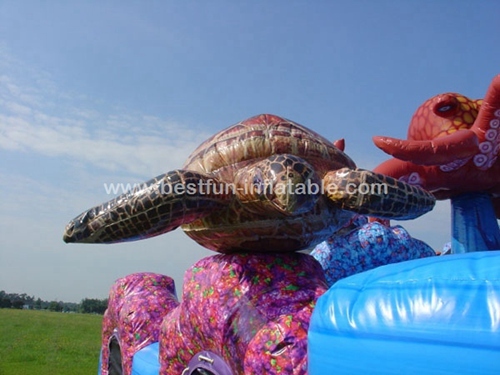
(24, 301)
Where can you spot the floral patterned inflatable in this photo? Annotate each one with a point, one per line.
(252, 311)
(368, 246)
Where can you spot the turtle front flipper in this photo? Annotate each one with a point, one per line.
(158, 206)
(376, 195)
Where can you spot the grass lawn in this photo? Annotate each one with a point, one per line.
(48, 343)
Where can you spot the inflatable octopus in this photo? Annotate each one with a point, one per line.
(452, 151)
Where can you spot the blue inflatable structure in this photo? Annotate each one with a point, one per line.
(146, 360)
(474, 224)
(437, 315)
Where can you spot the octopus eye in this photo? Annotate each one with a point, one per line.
(446, 108)
(446, 105)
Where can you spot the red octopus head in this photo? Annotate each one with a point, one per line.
(442, 115)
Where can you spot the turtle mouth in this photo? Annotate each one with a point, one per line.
(68, 235)
(79, 230)
(75, 232)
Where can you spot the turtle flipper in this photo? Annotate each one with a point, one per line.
(160, 205)
(375, 194)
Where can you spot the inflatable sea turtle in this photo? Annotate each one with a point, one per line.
(263, 184)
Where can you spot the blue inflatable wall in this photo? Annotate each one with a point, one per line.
(437, 315)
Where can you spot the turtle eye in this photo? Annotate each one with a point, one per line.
(258, 180)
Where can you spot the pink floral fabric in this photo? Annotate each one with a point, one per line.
(137, 305)
(251, 310)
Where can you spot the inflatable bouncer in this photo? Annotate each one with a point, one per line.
(257, 193)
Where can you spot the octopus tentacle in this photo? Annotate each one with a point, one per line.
(403, 170)
(487, 127)
(460, 144)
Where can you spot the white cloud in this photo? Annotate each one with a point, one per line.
(137, 143)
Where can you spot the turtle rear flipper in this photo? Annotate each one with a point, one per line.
(375, 194)
(158, 206)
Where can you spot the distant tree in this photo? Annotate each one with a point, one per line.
(15, 300)
(70, 307)
(30, 301)
(56, 306)
(18, 301)
(38, 304)
(5, 302)
(93, 305)
(18, 304)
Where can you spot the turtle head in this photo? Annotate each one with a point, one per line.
(283, 184)
(79, 229)
(99, 224)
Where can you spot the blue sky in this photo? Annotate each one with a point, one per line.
(93, 93)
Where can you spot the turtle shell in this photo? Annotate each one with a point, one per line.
(260, 137)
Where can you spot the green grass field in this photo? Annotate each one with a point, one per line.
(48, 343)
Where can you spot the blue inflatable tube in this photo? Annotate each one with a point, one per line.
(146, 361)
(437, 315)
